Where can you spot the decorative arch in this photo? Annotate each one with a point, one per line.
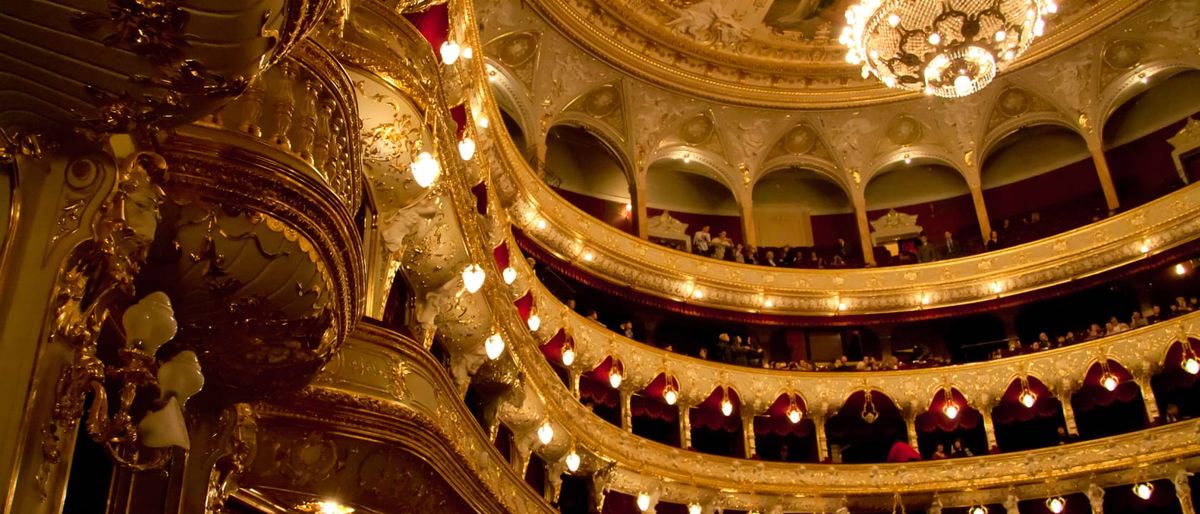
(512, 95)
(918, 154)
(1128, 85)
(606, 134)
(702, 161)
(799, 206)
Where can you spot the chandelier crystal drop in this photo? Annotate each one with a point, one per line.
(950, 48)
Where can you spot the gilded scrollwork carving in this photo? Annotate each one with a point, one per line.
(237, 453)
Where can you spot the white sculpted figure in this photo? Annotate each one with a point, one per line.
(407, 224)
(708, 21)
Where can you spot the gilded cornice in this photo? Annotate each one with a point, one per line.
(635, 38)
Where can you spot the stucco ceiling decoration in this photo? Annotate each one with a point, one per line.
(776, 53)
(606, 104)
(519, 52)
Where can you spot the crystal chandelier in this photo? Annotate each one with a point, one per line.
(948, 48)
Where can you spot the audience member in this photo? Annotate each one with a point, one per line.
(902, 452)
(958, 450)
(701, 240)
(993, 242)
(1155, 315)
(1171, 414)
(939, 453)
(739, 253)
(720, 245)
(1136, 320)
(926, 252)
(950, 247)
(769, 259)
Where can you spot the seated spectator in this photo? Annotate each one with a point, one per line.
(1171, 414)
(993, 242)
(939, 453)
(1118, 326)
(926, 251)
(1044, 339)
(627, 329)
(593, 315)
(787, 257)
(703, 353)
(769, 259)
(842, 250)
(1155, 315)
(1093, 332)
(1136, 320)
(724, 348)
(701, 240)
(720, 245)
(958, 450)
(751, 255)
(1182, 305)
(571, 303)
(902, 452)
(1064, 437)
(739, 253)
(837, 262)
(950, 247)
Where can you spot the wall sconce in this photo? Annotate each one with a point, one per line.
(643, 502)
(1027, 397)
(1107, 380)
(726, 405)
(473, 277)
(1143, 490)
(568, 352)
(1056, 504)
(534, 322)
(869, 412)
(509, 275)
(545, 433)
(695, 508)
(572, 461)
(670, 395)
(614, 374)
(794, 414)
(950, 407)
(493, 346)
(425, 169)
(466, 148)
(450, 51)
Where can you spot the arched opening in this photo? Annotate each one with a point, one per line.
(1135, 138)
(1162, 500)
(596, 391)
(1109, 402)
(573, 497)
(653, 416)
(805, 209)
(514, 131)
(1038, 181)
(554, 349)
(589, 174)
(1175, 387)
(783, 433)
(691, 196)
(1028, 416)
(865, 428)
(952, 425)
(535, 473)
(938, 196)
(717, 424)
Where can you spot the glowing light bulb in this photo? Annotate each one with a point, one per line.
(425, 169)
(541, 224)
(1180, 269)
(794, 415)
(1001, 36)
(893, 19)
(628, 207)
(1143, 490)
(473, 277)
(694, 508)
(841, 306)
(726, 407)
(509, 275)
(568, 356)
(698, 293)
(962, 85)
(466, 148)
(997, 287)
(545, 433)
(534, 322)
(1191, 365)
(978, 509)
(572, 461)
(1056, 504)
(483, 122)
(468, 52)
(907, 159)
(1027, 399)
(1051, 7)
(643, 502)
(1145, 248)
(768, 303)
(670, 396)
(494, 346)
(589, 256)
(1109, 382)
(935, 39)
(1039, 27)
(615, 378)
(951, 410)
(926, 299)
(450, 52)
(332, 507)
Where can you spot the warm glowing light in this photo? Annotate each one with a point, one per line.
(589, 256)
(568, 356)
(1143, 490)
(473, 277)
(670, 396)
(1109, 382)
(768, 303)
(907, 159)
(935, 38)
(841, 305)
(482, 122)
(468, 52)
(615, 378)
(951, 410)
(1180, 269)
(1191, 365)
(545, 433)
(541, 224)
(425, 169)
(643, 502)
(628, 207)
(1027, 399)
(694, 508)
(466, 148)
(1056, 504)
(1145, 248)
(509, 275)
(926, 299)
(726, 407)
(794, 415)
(494, 346)
(978, 509)
(450, 52)
(324, 507)
(997, 287)
(697, 293)
(534, 322)
(572, 461)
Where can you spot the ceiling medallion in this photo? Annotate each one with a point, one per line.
(948, 48)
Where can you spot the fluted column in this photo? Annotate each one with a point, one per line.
(989, 427)
(685, 425)
(818, 419)
(911, 421)
(1183, 491)
(1096, 148)
(1148, 398)
(864, 229)
(626, 411)
(985, 224)
(748, 442)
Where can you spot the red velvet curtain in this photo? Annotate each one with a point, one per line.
(433, 23)
(935, 418)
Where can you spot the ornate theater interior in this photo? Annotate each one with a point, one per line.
(600, 256)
